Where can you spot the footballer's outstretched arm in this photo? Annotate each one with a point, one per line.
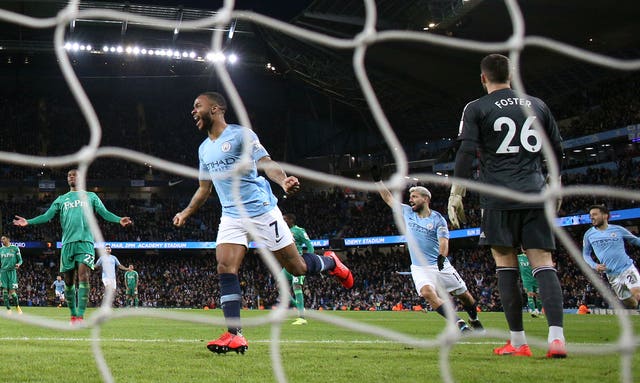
(386, 195)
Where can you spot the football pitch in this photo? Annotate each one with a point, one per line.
(144, 349)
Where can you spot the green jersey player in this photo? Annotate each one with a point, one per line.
(10, 260)
(78, 254)
(131, 283)
(530, 285)
(301, 239)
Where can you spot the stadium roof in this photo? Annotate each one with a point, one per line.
(422, 87)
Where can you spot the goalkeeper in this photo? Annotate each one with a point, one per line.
(509, 144)
(429, 263)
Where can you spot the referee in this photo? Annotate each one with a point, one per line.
(496, 127)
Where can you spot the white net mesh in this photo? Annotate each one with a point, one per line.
(515, 44)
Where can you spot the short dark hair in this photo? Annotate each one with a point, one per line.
(217, 98)
(496, 67)
(603, 209)
(291, 217)
(105, 246)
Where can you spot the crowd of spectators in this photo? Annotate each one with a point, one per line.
(189, 279)
(138, 121)
(611, 105)
(335, 212)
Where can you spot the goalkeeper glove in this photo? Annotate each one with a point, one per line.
(455, 207)
(376, 173)
(441, 259)
(559, 200)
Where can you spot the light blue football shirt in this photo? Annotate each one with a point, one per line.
(219, 157)
(59, 285)
(108, 264)
(426, 233)
(608, 246)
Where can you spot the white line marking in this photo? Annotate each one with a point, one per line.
(293, 341)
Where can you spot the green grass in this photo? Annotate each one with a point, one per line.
(140, 349)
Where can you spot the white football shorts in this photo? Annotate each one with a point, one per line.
(109, 282)
(448, 277)
(271, 230)
(625, 281)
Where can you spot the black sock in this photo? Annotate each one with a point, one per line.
(440, 310)
(230, 298)
(472, 310)
(511, 297)
(317, 263)
(550, 294)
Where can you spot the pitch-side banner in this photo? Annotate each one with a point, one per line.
(574, 220)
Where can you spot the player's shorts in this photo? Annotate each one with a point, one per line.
(272, 232)
(131, 291)
(624, 282)
(9, 279)
(76, 252)
(528, 228)
(448, 277)
(59, 294)
(294, 280)
(109, 282)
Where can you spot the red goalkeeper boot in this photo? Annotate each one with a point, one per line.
(557, 349)
(228, 342)
(508, 349)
